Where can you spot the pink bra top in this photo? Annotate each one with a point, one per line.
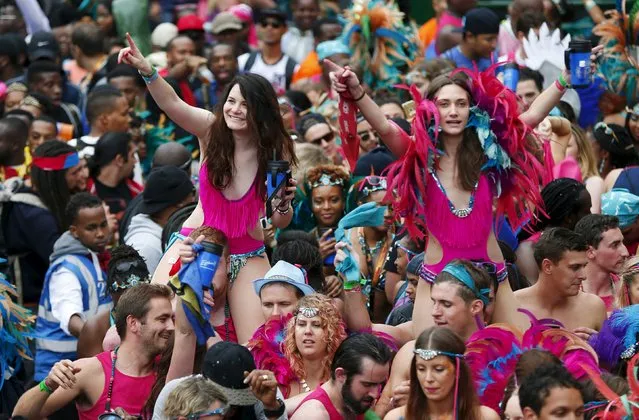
(236, 218)
(459, 237)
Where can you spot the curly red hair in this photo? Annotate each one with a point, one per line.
(332, 324)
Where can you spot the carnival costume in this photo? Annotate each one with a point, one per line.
(381, 43)
(618, 340)
(16, 328)
(493, 352)
(511, 172)
(620, 37)
(617, 407)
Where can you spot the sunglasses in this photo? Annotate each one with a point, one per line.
(272, 23)
(125, 266)
(328, 137)
(368, 135)
(217, 412)
(410, 254)
(113, 416)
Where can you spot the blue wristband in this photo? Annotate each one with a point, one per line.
(152, 78)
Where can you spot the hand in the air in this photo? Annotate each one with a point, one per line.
(132, 56)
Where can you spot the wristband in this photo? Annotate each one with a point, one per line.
(45, 388)
(590, 4)
(278, 412)
(148, 79)
(562, 81)
(361, 96)
(353, 285)
(559, 86)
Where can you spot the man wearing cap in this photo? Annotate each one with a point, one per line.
(193, 27)
(227, 28)
(270, 62)
(280, 289)
(479, 41)
(232, 368)
(167, 190)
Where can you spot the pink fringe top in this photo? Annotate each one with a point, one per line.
(236, 218)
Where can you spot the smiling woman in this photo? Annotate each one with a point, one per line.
(244, 133)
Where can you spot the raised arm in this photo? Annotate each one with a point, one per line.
(344, 80)
(194, 120)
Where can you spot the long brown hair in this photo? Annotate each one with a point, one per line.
(470, 155)
(442, 339)
(265, 125)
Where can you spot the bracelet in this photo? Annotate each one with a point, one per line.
(283, 212)
(44, 387)
(590, 4)
(353, 285)
(361, 96)
(148, 79)
(559, 86)
(562, 81)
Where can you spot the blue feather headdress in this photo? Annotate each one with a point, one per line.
(618, 337)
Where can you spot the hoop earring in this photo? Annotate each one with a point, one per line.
(602, 164)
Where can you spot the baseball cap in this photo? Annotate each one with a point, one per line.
(190, 23)
(479, 21)
(224, 21)
(43, 45)
(272, 13)
(225, 364)
(284, 272)
(163, 33)
(166, 186)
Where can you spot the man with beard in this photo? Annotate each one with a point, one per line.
(606, 255)
(223, 64)
(120, 380)
(359, 369)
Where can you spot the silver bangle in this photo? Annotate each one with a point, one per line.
(283, 212)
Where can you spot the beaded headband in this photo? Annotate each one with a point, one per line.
(628, 353)
(308, 312)
(372, 183)
(428, 354)
(326, 181)
(131, 281)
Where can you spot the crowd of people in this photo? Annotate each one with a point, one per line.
(318, 209)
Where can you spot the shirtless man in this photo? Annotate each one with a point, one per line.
(561, 256)
(606, 255)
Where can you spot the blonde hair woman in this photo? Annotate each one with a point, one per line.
(196, 397)
(581, 149)
(628, 293)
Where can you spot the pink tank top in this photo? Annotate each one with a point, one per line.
(320, 395)
(129, 393)
(459, 237)
(236, 218)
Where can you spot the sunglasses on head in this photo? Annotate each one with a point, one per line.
(272, 23)
(328, 137)
(410, 254)
(217, 412)
(125, 266)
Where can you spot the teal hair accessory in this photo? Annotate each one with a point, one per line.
(461, 274)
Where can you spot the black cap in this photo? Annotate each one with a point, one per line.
(272, 13)
(374, 162)
(480, 21)
(43, 45)
(166, 186)
(225, 364)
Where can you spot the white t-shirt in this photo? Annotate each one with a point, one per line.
(274, 73)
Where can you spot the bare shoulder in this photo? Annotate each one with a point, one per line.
(488, 413)
(594, 302)
(396, 413)
(310, 410)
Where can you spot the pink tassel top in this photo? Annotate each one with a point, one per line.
(236, 218)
